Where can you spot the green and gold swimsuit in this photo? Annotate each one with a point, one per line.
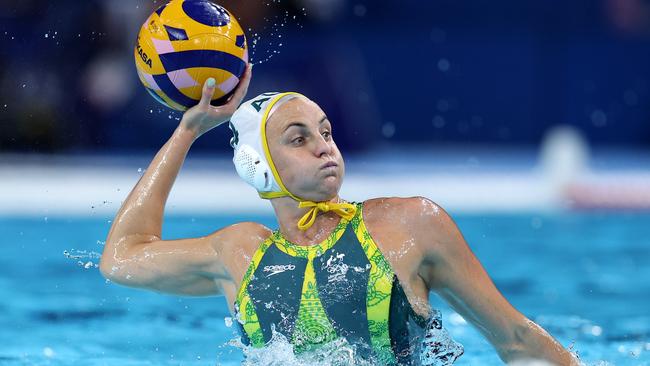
(341, 288)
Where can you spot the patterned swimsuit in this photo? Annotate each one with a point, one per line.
(341, 288)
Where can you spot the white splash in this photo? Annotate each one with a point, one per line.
(83, 257)
(280, 352)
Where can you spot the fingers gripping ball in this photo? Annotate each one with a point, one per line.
(185, 42)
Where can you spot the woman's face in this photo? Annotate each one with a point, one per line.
(300, 141)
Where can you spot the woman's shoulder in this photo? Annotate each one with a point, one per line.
(244, 236)
(414, 217)
(390, 208)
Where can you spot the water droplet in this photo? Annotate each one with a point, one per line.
(48, 352)
(598, 118)
(388, 129)
(631, 98)
(443, 105)
(438, 121)
(443, 65)
(359, 10)
(596, 330)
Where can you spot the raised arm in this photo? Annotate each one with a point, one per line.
(134, 253)
(451, 269)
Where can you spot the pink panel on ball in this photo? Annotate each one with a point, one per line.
(162, 46)
(181, 79)
(228, 85)
(151, 83)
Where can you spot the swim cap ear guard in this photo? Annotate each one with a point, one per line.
(253, 162)
(252, 169)
(251, 157)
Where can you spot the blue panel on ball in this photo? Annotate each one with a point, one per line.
(203, 58)
(206, 12)
(174, 94)
(156, 97)
(176, 34)
(239, 41)
(160, 9)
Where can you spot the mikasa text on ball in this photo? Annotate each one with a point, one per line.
(185, 42)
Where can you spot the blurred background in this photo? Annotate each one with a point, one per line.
(463, 84)
(528, 120)
(408, 72)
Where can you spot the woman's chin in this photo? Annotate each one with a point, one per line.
(326, 192)
(331, 184)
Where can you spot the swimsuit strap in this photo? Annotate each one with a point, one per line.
(243, 304)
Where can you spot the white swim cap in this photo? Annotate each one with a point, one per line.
(253, 161)
(252, 158)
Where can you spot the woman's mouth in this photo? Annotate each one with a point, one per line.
(328, 165)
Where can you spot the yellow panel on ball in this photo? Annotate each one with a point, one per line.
(182, 44)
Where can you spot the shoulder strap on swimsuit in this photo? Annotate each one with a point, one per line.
(243, 306)
(380, 285)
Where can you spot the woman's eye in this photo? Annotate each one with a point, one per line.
(327, 134)
(297, 140)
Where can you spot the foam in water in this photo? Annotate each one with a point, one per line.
(279, 351)
(434, 347)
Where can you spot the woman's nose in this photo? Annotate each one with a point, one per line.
(323, 146)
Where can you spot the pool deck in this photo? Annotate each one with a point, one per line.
(465, 180)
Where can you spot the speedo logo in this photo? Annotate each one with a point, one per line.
(278, 268)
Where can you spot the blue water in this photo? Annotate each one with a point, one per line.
(584, 277)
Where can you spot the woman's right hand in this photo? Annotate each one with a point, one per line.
(203, 117)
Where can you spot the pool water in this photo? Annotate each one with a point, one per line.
(584, 277)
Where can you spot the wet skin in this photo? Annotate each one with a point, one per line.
(419, 239)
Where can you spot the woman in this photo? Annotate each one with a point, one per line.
(357, 271)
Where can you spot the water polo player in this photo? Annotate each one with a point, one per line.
(327, 273)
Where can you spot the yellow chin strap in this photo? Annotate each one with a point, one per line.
(345, 210)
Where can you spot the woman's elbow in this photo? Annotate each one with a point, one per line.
(532, 345)
(121, 274)
(112, 272)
